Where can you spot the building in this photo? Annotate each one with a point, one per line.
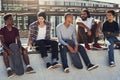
(24, 11)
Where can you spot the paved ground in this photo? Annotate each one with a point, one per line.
(103, 72)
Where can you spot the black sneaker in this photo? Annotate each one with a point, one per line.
(56, 65)
(49, 66)
(112, 64)
(91, 67)
(10, 73)
(30, 70)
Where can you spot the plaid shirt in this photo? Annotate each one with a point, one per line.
(33, 30)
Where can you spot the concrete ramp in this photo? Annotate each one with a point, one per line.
(103, 72)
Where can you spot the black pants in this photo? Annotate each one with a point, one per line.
(43, 49)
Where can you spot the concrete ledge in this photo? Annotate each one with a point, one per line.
(103, 72)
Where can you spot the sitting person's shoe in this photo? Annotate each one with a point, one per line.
(91, 67)
(30, 70)
(97, 46)
(87, 47)
(67, 70)
(49, 66)
(112, 64)
(10, 73)
(56, 65)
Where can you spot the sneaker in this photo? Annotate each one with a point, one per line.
(97, 46)
(87, 47)
(112, 64)
(49, 66)
(30, 70)
(91, 67)
(56, 65)
(67, 70)
(10, 73)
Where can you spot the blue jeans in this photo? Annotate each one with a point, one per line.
(112, 40)
(74, 56)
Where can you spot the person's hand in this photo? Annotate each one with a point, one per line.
(108, 32)
(27, 47)
(20, 50)
(70, 49)
(76, 49)
(89, 33)
(9, 52)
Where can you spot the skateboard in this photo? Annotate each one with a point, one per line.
(16, 59)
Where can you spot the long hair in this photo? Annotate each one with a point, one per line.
(88, 13)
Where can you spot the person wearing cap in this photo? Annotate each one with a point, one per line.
(9, 34)
(67, 37)
(39, 35)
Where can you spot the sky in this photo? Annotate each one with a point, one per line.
(113, 1)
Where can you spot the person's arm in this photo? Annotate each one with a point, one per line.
(80, 24)
(60, 37)
(110, 34)
(3, 43)
(29, 43)
(74, 37)
(62, 41)
(75, 41)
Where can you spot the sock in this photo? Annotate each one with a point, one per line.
(9, 68)
(47, 59)
(54, 60)
(28, 65)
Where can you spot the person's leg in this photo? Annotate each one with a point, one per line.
(7, 65)
(111, 51)
(117, 41)
(54, 50)
(86, 59)
(82, 37)
(95, 34)
(75, 58)
(42, 49)
(63, 55)
(26, 60)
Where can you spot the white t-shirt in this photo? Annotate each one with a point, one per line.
(88, 22)
(41, 33)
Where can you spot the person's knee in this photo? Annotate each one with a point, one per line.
(5, 54)
(25, 52)
(54, 43)
(81, 47)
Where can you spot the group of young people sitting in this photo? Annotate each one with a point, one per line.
(88, 30)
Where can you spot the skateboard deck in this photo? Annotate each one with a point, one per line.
(16, 59)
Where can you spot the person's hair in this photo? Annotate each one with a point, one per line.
(67, 14)
(88, 13)
(112, 12)
(43, 14)
(6, 16)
